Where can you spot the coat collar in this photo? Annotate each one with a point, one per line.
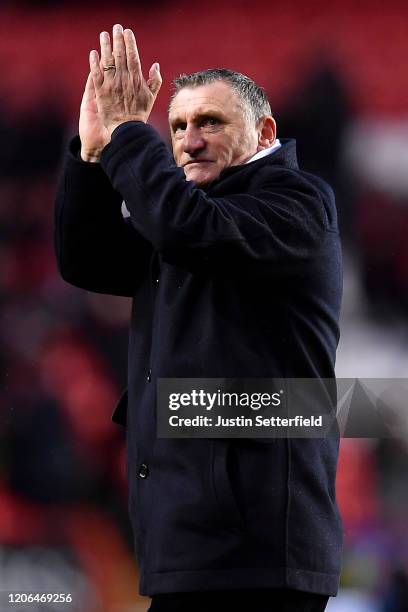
(284, 156)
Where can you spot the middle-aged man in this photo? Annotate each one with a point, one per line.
(232, 257)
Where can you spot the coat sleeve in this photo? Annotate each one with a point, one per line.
(277, 226)
(96, 249)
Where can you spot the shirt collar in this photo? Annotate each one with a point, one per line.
(265, 152)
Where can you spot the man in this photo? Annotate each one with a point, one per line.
(232, 257)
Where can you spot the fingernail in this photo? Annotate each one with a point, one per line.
(117, 28)
(104, 36)
(157, 67)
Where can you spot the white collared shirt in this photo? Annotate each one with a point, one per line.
(265, 152)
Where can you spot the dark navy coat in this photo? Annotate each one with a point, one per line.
(240, 279)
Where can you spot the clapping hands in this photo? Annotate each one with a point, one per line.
(115, 91)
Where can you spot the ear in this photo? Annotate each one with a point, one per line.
(266, 133)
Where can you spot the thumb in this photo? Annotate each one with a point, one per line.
(155, 79)
(89, 92)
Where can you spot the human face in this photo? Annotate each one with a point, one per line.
(210, 131)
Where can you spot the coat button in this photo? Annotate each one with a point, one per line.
(143, 470)
(149, 375)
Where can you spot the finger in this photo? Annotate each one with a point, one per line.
(89, 92)
(106, 50)
(96, 71)
(155, 80)
(132, 54)
(119, 49)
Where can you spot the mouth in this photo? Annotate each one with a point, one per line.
(198, 161)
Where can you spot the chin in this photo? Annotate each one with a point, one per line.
(201, 178)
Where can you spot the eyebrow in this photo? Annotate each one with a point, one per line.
(216, 114)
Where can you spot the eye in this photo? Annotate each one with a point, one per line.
(179, 127)
(210, 121)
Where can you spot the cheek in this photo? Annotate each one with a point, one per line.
(177, 150)
(231, 147)
(223, 153)
(176, 155)
(242, 143)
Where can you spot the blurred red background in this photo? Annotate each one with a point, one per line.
(337, 79)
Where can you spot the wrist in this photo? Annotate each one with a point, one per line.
(92, 156)
(111, 128)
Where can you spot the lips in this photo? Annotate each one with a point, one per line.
(197, 161)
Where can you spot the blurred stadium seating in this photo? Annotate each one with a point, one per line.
(337, 79)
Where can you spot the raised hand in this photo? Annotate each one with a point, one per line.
(92, 132)
(121, 93)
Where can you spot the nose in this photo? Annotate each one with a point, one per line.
(193, 141)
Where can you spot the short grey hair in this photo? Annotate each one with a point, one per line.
(254, 98)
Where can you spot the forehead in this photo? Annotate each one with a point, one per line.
(217, 97)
